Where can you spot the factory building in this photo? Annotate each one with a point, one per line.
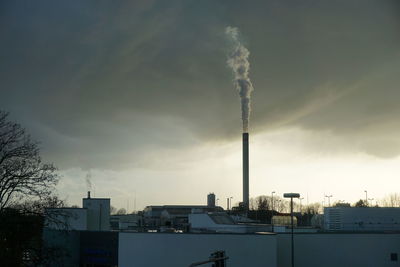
(361, 219)
(94, 216)
(126, 222)
(66, 218)
(98, 213)
(211, 231)
(175, 216)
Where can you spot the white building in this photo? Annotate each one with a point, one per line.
(361, 219)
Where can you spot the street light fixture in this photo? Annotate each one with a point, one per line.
(291, 196)
(272, 211)
(370, 199)
(329, 200)
(366, 197)
(300, 202)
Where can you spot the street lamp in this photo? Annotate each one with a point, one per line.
(291, 196)
(366, 197)
(230, 202)
(272, 210)
(370, 199)
(300, 202)
(329, 200)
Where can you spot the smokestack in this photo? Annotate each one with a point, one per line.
(246, 171)
(88, 194)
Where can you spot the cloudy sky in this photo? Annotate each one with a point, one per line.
(138, 94)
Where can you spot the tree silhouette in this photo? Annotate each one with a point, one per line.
(22, 172)
(360, 203)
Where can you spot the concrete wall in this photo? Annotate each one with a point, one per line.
(334, 249)
(175, 250)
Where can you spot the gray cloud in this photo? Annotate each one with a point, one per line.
(101, 83)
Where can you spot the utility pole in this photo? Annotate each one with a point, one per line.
(366, 197)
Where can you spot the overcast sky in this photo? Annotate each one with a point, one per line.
(138, 93)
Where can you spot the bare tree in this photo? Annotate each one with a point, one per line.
(22, 172)
(121, 211)
(391, 200)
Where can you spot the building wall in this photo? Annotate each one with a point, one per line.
(61, 248)
(66, 219)
(98, 213)
(338, 249)
(175, 250)
(361, 219)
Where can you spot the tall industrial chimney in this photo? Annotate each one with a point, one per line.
(246, 171)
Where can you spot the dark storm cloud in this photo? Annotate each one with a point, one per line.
(100, 82)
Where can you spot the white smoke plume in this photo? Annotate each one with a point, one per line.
(88, 181)
(238, 61)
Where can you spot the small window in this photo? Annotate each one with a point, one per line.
(393, 256)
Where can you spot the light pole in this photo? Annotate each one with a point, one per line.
(291, 196)
(370, 199)
(227, 203)
(329, 200)
(272, 210)
(230, 202)
(366, 197)
(300, 202)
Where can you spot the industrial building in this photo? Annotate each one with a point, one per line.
(94, 216)
(176, 216)
(361, 219)
(211, 231)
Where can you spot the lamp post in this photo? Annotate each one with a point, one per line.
(291, 196)
(272, 210)
(230, 202)
(366, 197)
(329, 200)
(370, 199)
(300, 202)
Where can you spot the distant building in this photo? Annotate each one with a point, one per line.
(221, 222)
(211, 200)
(173, 215)
(125, 222)
(66, 218)
(361, 219)
(98, 213)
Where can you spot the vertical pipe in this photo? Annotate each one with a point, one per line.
(246, 171)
